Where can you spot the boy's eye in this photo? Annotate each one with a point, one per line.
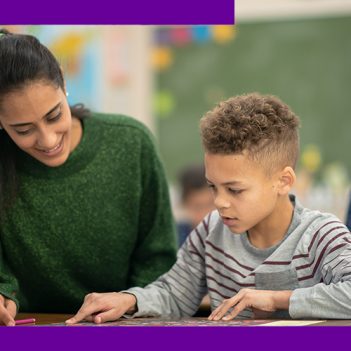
(235, 191)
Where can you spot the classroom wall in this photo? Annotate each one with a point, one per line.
(168, 77)
(108, 68)
(304, 61)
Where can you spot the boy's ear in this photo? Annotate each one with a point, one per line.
(287, 179)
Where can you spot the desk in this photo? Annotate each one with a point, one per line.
(43, 318)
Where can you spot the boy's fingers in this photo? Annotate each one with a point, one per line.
(236, 310)
(214, 315)
(223, 308)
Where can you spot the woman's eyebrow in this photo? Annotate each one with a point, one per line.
(26, 124)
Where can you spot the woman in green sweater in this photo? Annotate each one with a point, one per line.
(84, 203)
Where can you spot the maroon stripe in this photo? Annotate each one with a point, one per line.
(178, 283)
(188, 254)
(224, 265)
(227, 277)
(222, 285)
(337, 247)
(341, 261)
(347, 240)
(195, 253)
(219, 293)
(322, 252)
(181, 298)
(199, 236)
(315, 235)
(320, 258)
(329, 262)
(180, 268)
(228, 256)
(194, 247)
(321, 239)
(336, 257)
(277, 263)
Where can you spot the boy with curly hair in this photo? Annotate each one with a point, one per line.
(260, 253)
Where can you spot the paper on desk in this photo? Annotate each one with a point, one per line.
(292, 323)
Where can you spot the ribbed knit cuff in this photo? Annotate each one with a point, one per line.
(300, 306)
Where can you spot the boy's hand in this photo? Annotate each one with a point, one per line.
(261, 300)
(8, 311)
(99, 308)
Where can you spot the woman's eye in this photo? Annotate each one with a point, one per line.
(55, 118)
(23, 132)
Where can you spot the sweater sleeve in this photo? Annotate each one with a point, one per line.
(8, 283)
(329, 299)
(155, 250)
(178, 292)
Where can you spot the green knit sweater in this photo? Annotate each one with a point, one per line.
(100, 222)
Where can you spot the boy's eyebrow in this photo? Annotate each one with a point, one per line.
(234, 182)
(26, 124)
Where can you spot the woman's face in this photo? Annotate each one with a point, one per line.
(38, 119)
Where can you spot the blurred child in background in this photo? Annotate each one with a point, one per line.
(196, 199)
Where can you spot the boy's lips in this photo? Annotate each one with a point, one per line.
(229, 221)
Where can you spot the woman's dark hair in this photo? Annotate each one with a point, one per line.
(23, 59)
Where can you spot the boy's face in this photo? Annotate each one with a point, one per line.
(244, 195)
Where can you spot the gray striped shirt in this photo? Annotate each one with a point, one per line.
(313, 260)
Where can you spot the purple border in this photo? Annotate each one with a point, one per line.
(117, 12)
(174, 338)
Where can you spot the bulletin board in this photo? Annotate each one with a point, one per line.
(306, 62)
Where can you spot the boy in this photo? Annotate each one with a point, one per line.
(260, 252)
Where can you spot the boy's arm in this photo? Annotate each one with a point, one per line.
(330, 298)
(178, 292)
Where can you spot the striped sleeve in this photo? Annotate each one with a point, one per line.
(331, 265)
(177, 293)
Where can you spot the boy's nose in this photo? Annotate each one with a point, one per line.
(221, 202)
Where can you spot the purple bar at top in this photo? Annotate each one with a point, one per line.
(160, 12)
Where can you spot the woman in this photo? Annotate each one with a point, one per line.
(84, 200)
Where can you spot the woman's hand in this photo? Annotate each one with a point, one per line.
(99, 308)
(8, 311)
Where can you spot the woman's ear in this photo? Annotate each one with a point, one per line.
(287, 179)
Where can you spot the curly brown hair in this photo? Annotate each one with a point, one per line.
(261, 126)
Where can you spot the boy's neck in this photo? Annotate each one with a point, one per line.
(273, 229)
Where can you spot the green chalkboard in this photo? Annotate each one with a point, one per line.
(306, 62)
